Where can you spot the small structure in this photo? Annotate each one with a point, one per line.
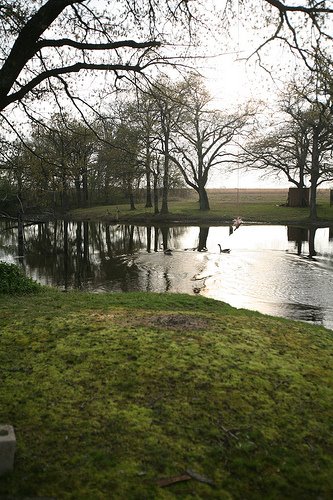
(298, 197)
(7, 448)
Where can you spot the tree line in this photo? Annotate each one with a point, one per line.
(166, 136)
(169, 135)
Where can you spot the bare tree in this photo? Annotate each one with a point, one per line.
(168, 98)
(301, 149)
(146, 115)
(119, 153)
(203, 135)
(282, 152)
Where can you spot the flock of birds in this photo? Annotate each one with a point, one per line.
(235, 225)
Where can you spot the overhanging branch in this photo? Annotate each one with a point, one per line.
(75, 68)
(96, 46)
(300, 8)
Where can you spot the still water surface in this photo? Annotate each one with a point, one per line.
(268, 268)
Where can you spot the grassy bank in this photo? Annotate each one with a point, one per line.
(110, 394)
(265, 205)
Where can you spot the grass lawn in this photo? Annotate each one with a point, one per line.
(109, 394)
(253, 205)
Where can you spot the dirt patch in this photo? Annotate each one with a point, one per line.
(179, 321)
(104, 317)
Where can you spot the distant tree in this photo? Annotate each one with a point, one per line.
(128, 169)
(14, 173)
(302, 149)
(59, 155)
(119, 153)
(146, 116)
(168, 98)
(311, 110)
(321, 162)
(203, 135)
(282, 152)
(81, 159)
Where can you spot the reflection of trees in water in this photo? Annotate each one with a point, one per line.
(312, 234)
(168, 236)
(203, 235)
(76, 254)
(297, 235)
(12, 238)
(301, 235)
(88, 254)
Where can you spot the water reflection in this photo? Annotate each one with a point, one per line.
(286, 271)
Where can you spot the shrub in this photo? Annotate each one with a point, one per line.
(13, 281)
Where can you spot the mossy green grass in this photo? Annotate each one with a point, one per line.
(109, 393)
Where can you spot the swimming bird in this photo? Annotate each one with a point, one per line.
(224, 250)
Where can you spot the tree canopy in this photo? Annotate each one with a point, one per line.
(45, 41)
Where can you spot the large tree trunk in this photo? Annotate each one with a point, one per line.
(148, 181)
(149, 203)
(203, 199)
(165, 191)
(64, 193)
(313, 202)
(78, 191)
(85, 187)
(314, 175)
(156, 210)
(131, 197)
(132, 204)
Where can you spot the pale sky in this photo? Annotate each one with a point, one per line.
(233, 80)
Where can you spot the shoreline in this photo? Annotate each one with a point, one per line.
(169, 219)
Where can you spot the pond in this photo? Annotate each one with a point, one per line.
(278, 270)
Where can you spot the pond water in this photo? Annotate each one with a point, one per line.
(278, 270)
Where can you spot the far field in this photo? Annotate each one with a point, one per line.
(253, 205)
